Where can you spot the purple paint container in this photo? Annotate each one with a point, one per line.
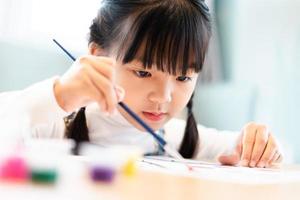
(101, 173)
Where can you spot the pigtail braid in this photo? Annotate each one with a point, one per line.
(190, 139)
(76, 126)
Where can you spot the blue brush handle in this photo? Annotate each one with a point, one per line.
(62, 48)
(160, 140)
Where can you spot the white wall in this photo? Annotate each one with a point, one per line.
(38, 21)
(27, 53)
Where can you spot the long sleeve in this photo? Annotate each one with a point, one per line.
(212, 142)
(32, 112)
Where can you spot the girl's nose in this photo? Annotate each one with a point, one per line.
(162, 93)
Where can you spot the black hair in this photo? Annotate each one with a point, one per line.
(172, 35)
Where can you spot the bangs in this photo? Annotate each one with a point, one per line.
(173, 39)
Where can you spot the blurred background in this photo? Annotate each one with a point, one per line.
(252, 69)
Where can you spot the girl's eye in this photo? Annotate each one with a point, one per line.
(183, 78)
(142, 74)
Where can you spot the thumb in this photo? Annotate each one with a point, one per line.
(231, 159)
(120, 92)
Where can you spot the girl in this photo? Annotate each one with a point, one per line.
(148, 54)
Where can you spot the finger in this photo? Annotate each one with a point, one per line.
(279, 159)
(95, 94)
(99, 97)
(106, 87)
(247, 144)
(269, 152)
(233, 158)
(91, 59)
(239, 146)
(261, 140)
(105, 59)
(120, 93)
(103, 65)
(229, 159)
(274, 158)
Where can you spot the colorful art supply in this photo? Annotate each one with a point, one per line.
(48, 176)
(102, 173)
(14, 168)
(130, 168)
(105, 162)
(45, 158)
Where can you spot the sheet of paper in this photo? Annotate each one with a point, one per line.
(218, 172)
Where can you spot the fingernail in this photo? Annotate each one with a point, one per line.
(252, 163)
(267, 165)
(244, 163)
(120, 93)
(261, 164)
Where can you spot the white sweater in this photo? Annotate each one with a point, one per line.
(34, 113)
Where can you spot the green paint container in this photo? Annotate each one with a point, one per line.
(44, 175)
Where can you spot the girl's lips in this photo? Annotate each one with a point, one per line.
(154, 116)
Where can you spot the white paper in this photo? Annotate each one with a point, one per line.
(214, 171)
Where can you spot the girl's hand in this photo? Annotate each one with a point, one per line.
(256, 147)
(90, 79)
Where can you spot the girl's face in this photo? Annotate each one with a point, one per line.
(153, 95)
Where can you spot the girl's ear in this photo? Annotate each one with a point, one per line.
(96, 50)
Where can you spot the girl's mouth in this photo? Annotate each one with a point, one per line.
(152, 116)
